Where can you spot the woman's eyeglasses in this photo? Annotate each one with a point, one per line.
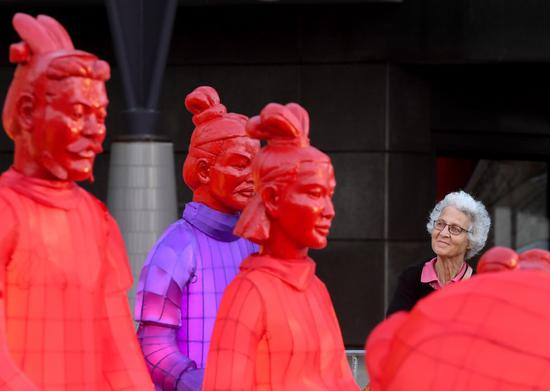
(453, 229)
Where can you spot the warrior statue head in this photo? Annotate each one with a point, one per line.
(292, 210)
(56, 104)
(217, 167)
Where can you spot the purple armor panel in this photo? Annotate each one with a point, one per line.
(180, 288)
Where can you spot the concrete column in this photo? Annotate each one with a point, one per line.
(356, 360)
(141, 196)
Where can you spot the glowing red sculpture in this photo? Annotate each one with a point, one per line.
(65, 322)
(504, 258)
(487, 333)
(183, 279)
(276, 328)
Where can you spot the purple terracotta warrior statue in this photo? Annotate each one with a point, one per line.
(186, 272)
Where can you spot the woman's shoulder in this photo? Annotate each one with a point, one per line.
(413, 271)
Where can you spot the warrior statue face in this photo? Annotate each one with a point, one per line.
(218, 166)
(229, 177)
(303, 209)
(56, 105)
(65, 127)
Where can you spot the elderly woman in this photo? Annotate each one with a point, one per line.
(458, 226)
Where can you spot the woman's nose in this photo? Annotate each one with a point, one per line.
(445, 231)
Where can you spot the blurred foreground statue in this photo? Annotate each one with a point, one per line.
(487, 333)
(276, 328)
(188, 269)
(65, 322)
(503, 258)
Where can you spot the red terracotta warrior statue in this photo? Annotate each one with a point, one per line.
(487, 333)
(276, 328)
(504, 258)
(65, 322)
(183, 278)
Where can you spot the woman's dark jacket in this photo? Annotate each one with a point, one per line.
(409, 290)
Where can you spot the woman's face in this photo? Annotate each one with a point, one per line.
(445, 244)
(305, 210)
(230, 176)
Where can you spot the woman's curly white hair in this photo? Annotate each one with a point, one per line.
(475, 210)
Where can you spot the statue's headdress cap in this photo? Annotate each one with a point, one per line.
(211, 119)
(40, 35)
(281, 125)
(44, 39)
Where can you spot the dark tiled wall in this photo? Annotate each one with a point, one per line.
(383, 194)
(372, 118)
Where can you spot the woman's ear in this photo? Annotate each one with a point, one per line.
(25, 109)
(203, 170)
(270, 197)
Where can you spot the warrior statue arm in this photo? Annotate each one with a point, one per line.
(11, 377)
(163, 281)
(239, 327)
(124, 367)
(170, 369)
